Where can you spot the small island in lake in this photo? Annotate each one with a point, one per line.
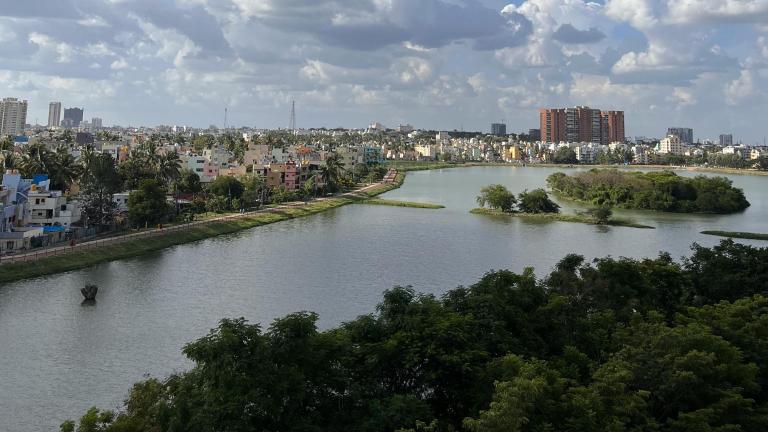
(659, 190)
(536, 205)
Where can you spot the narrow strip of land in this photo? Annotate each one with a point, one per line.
(397, 203)
(560, 217)
(736, 234)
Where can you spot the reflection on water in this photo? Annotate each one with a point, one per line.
(57, 358)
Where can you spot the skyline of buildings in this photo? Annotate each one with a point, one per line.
(577, 124)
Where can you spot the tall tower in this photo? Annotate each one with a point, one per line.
(225, 118)
(292, 121)
(13, 116)
(54, 114)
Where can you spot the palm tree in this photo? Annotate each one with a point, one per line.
(169, 167)
(333, 171)
(35, 160)
(63, 170)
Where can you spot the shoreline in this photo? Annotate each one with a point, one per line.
(425, 166)
(89, 254)
(560, 217)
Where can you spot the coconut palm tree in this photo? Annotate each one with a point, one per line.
(169, 167)
(333, 171)
(35, 159)
(63, 170)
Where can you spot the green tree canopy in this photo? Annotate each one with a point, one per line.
(497, 197)
(148, 205)
(536, 201)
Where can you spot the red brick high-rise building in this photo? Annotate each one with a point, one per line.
(552, 125)
(581, 124)
(614, 126)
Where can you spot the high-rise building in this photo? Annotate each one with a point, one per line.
(685, 134)
(613, 126)
(534, 135)
(552, 125)
(498, 129)
(672, 144)
(581, 124)
(72, 117)
(96, 123)
(13, 116)
(726, 140)
(54, 114)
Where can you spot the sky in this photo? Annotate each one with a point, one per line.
(435, 64)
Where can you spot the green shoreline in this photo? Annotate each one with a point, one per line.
(133, 248)
(737, 234)
(560, 217)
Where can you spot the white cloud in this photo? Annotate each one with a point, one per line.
(741, 90)
(119, 64)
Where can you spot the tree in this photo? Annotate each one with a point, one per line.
(169, 167)
(147, 205)
(333, 171)
(99, 183)
(600, 215)
(189, 182)
(497, 197)
(565, 155)
(255, 190)
(227, 187)
(536, 201)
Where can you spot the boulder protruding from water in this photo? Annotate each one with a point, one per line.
(89, 291)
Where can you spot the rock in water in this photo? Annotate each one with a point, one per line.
(89, 292)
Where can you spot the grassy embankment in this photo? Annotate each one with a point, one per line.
(560, 217)
(88, 257)
(739, 235)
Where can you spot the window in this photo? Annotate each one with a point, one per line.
(9, 245)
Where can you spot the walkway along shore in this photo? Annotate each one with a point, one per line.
(66, 258)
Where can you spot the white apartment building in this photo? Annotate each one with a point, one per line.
(47, 208)
(671, 145)
(13, 116)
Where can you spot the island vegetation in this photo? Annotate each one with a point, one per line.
(536, 205)
(656, 190)
(616, 344)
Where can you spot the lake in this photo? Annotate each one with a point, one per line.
(58, 357)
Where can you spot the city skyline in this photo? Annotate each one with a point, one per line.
(434, 64)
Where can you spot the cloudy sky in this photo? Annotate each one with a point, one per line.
(440, 64)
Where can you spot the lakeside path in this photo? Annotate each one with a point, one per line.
(66, 258)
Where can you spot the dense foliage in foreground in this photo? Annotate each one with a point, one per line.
(612, 345)
(656, 190)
